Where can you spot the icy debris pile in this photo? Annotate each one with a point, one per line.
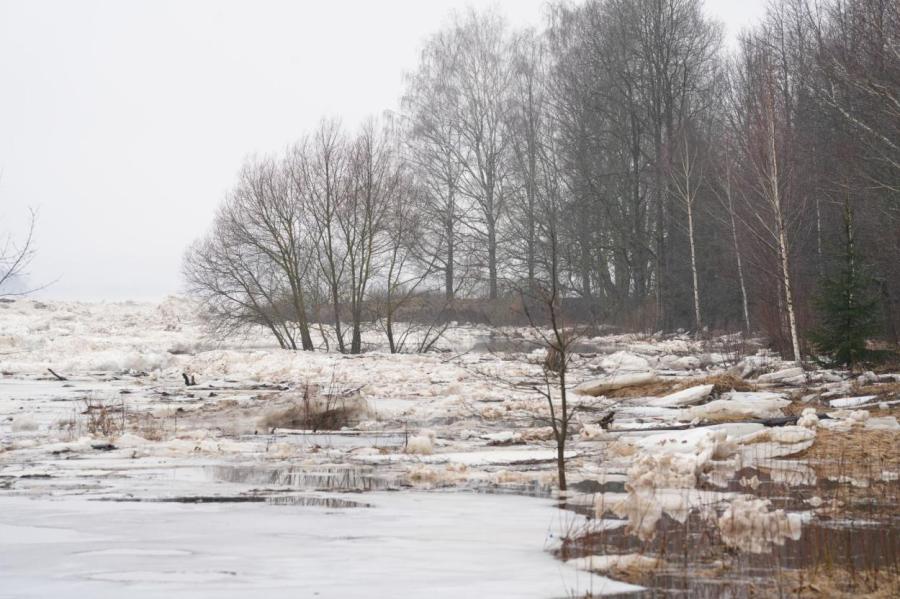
(667, 471)
(749, 525)
(421, 444)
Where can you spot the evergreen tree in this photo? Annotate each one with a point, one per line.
(847, 307)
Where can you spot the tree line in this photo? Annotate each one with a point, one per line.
(623, 156)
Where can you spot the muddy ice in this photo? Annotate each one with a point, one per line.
(441, 475)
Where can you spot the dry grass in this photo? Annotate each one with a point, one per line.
(884, 391)
(654, 389)
(150, 427)
(858, 446)
(842, 583)
(103, 418)
(722, 383)
(314, 411)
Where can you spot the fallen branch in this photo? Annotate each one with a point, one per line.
(58, 377)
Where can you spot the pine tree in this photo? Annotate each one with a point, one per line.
(847, 307)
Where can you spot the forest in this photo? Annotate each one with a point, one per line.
(625, 160)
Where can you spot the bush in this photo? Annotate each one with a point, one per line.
(312, 410)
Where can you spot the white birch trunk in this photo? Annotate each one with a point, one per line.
(690, 215)
(737, 249)
(775, 198)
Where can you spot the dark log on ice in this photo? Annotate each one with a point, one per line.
(58, 377)
(103, 446)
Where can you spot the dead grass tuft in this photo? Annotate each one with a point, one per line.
(315, 411)
(103, 418)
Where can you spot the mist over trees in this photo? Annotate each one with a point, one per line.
(623, 157)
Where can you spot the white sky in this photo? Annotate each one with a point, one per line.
(125, 122)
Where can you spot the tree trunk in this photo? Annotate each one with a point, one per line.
(740, 266)
(775, 192)
(492, 259)
(690, 215)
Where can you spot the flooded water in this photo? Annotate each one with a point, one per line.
(857, 529)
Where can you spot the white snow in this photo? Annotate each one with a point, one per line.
(849, 402)
(740, 405)
(684, 397)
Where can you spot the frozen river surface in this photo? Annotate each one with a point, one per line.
(404, 545)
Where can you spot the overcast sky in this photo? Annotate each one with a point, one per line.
(125, 122)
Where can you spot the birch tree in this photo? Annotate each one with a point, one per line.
(767, 153)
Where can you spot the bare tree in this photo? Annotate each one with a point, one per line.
(482, 77)
(319, 170)
(375, 180)
(250, 268)
(15, 257)
(434, 143)
(766, 139)
(546, 292)
(529, 110)
(725, 197)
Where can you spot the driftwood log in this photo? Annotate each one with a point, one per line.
(58, 376)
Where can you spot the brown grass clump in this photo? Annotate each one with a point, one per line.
(313, 411)
(103, 418)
